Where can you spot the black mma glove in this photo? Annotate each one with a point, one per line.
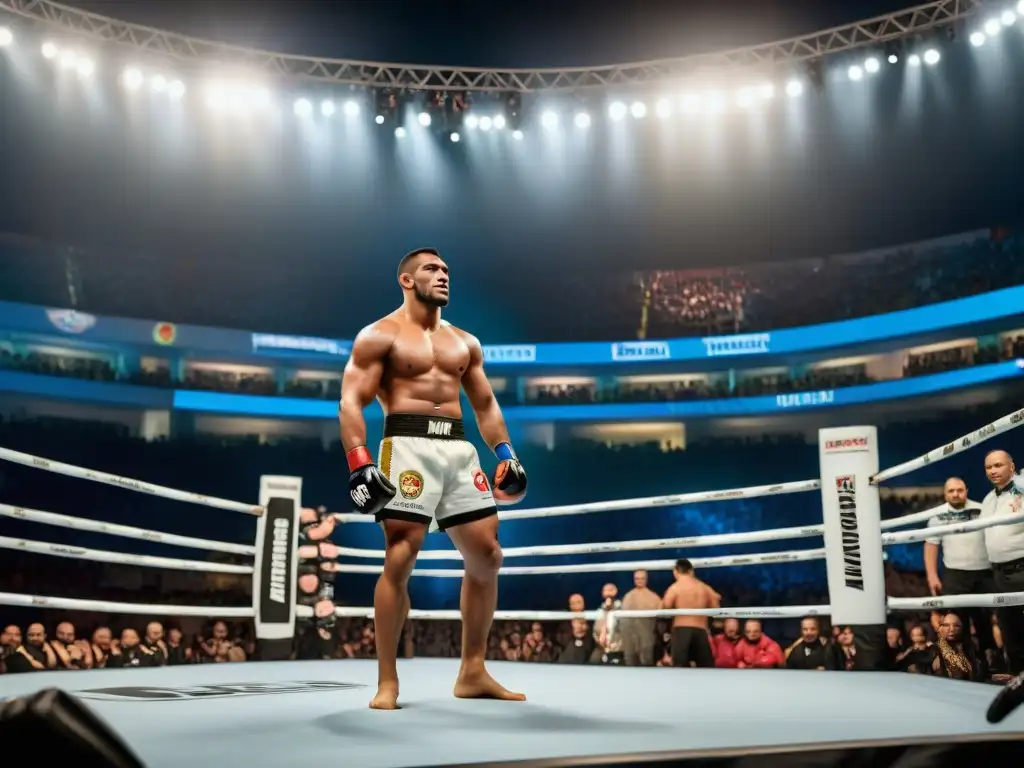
(509, 481)
(369, 488)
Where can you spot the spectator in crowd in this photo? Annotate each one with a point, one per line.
(966, 569)
(955, 655)
(69, 651)
(154, 641)
(811, 651)
(34, 654)
(607, 634)
(130, 652)
(177, 652)
(638, 635)
(1005, 547)
(580, 648)
(103, 644)
(724, 645)
(845, 650)
(756, 650)
(917, 657)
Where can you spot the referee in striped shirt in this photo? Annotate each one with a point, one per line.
(1005, 546)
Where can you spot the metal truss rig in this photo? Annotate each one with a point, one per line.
(769, 56)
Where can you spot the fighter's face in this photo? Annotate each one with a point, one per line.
(431, 282)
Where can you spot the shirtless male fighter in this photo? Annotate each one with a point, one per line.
(414, 363)
(690, 640)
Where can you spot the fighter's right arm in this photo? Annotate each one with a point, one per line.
(669, 600)
(361, 380)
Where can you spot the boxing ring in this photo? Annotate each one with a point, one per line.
(287, 712)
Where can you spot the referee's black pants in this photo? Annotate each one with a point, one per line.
(1009, 577)
(957, 582)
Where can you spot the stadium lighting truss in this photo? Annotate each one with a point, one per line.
(908, 22)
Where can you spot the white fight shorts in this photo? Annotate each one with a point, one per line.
(436, 471)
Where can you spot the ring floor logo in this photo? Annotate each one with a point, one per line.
(218, 691)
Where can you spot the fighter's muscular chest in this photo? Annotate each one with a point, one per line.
(415, 353)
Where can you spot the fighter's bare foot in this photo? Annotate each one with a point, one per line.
(480, 685)
(386, 698)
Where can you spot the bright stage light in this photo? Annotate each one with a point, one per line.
(914, 60)
(499, 122)
(455, 138)
(49, 51)
(855, 73)
(379, 119)
(794, 88)
(85, 67)
(132, 78)
(517, 135)
(893, 58)
(931, 57)
(663, 108)
(158, 83)
(992, 27)
(486, 123)
(424, 119)
(617, 110)
(472, 121)
(68, 59)
(549, 120)
(327, 108)
(399, 132)
(1020, 7)
(176, 89)
(1008, 17)
(303, 108)
(638, 109)
(871, 65)
(977, 39)
(351, 108)
(6, 37)
(582, 120)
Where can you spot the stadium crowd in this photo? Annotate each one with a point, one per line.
(655, 304)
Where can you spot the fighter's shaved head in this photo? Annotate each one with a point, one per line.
(407, 264)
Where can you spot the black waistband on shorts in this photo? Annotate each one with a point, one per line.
(418, 425)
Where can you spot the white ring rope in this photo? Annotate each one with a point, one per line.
(987, 432)
(645, 565)
(674, 499)
(127, 483)
(102, 556)
(780, 612)
(938, 531)
(71, 604)
(127, 531)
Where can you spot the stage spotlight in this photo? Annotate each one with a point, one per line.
(327, 108)
(582, 120)
(424, 119)
(992, 27)
(85, 67)
(871, 65)
(455, 137)
(617, 110)
(472, 122)
(176, 89)
(499, 122)
(49, 51)
(549, 120)
(638, 109)
(794, 88)
(514, 110)
(977, 39)
(914, 60)
(379, 119)
(1008, 17)
(68, 59)
(399, 132)
(158, 83)
(931, 57)
(386, 104)
(1020, 7)
(663, 108)
(303, 108)
(486, 123)
(517, 135)
(132, 78)
(855, 73)
(6, 37)
(893, 58)
(351, 108)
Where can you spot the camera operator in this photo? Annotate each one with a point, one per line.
(131, 652)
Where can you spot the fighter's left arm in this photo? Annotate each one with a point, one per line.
(481, 396)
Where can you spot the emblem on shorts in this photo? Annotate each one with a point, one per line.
(480, 481)
(410, 484)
